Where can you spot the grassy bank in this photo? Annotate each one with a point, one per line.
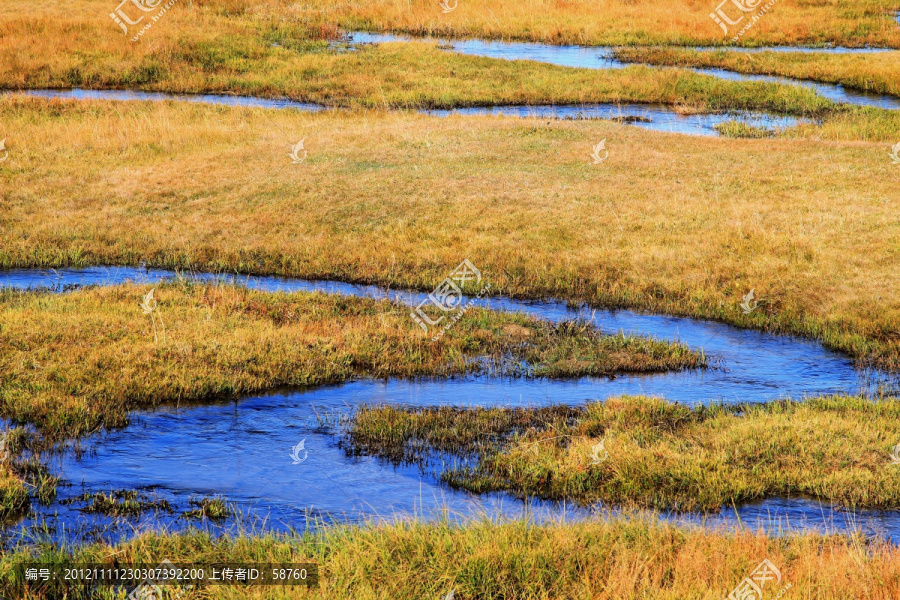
(879, 73)
(676, 224)
(207, 342)
(636, 558)
(646, 452)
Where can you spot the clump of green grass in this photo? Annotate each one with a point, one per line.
(37, 478)
(22, 475)
(411, 435)
(209, 508)
(13, 494)
(120, 503)
(657, 454)
(738, 129)
(225, 340)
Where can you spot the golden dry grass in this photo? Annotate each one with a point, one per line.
(682, 22)
(618, 559)
(640, 22)
(670, 223)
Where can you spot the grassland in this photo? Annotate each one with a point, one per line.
(683, 22)
(649, 22)
(655, 454)
(627, 559)
(668, 223)
(879, 73)
(217, 341)
(676, 224)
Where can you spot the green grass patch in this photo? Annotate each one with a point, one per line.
(644, 452)
(736, 129)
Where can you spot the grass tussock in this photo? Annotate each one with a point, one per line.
(57, 350)
(13, 492)
(615, 558)
(22, 474)
(213, 509)
(646, 452)
(736, 129)
(120, 503)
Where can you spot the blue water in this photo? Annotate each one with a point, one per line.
(242, 449)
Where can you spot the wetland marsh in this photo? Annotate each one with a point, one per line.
(231, 329)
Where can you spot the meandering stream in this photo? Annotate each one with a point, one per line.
(241, 450)
(593, 57)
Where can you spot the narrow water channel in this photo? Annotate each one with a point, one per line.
(242, 450)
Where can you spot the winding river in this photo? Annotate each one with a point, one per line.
(241, 449)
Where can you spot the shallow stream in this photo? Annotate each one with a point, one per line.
(242, 450)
